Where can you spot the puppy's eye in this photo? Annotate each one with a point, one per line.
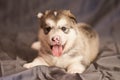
(64, 28)
(47, 30)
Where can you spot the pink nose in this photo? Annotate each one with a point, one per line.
(56, 40)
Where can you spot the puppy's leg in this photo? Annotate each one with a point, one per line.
(37, 61)
(76, 68)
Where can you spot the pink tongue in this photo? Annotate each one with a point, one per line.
(57, 50)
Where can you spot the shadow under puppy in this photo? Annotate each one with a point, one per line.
(64, 43)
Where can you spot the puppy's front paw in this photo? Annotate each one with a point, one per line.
(28, 65)
(76, 68)
(75, 71)
(35, 62)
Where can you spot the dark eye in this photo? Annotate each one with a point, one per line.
(47, 30)
(64, 28)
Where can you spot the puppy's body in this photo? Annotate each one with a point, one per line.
(65, 43)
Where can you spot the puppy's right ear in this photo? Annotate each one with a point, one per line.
(70, 15)
(36, 45)
(39, 15)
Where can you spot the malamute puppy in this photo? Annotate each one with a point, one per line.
(64, 43)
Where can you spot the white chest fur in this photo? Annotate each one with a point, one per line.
(65, 60)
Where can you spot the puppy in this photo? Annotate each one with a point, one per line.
(64, 43)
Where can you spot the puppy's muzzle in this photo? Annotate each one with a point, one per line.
(56, 40)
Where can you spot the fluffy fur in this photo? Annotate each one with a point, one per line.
(64, 43)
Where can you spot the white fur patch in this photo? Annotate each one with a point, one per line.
(61, 22)
(39, 15)
(36, 45)
(37, 61)
(70, 38)
(55, 13)
(50, 22)
(76, 68)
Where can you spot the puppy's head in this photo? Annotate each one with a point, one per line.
(57, 30)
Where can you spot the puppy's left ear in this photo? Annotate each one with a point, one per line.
(70, 15)
(39, 15)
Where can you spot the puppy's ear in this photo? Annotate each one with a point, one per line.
(36, 45)
(70, 15)
(39, 15)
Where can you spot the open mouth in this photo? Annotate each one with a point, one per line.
(57, 50)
